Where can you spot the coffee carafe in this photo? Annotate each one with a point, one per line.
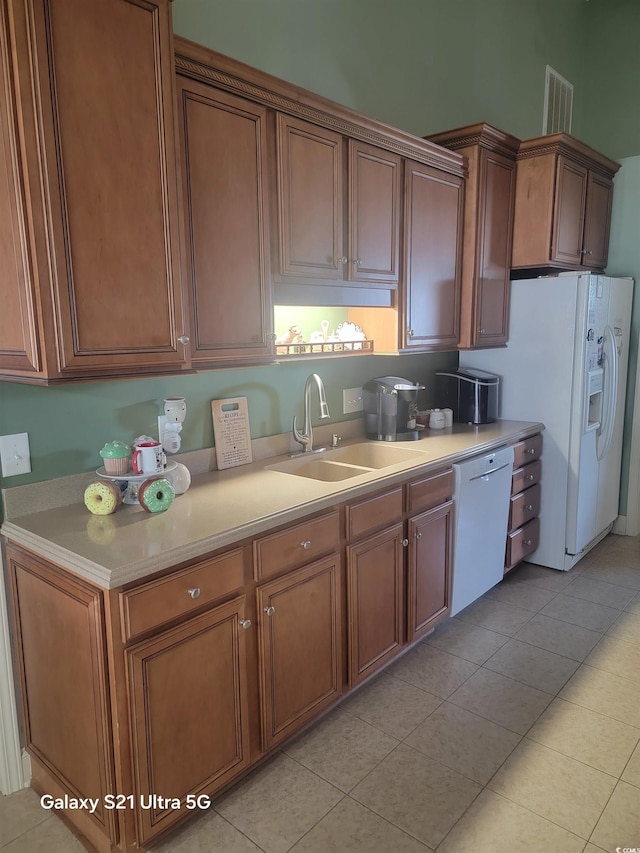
(390, 406)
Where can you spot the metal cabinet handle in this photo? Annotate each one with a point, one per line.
(532, 451)
(404, 542)
(245, 623)
(409, 333)
(530, 477)
(194, 592)
(418, 535)
(343, 259)
(270, 610)
(306, 544)
(529, 507)
(183, 339)
(357, 262)
(527, 542)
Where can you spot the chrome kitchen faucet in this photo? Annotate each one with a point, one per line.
(305, 438)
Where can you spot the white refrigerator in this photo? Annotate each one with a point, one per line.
(566, 365)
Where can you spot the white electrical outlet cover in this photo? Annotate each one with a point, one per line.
(14, 454)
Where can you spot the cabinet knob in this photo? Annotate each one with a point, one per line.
(482, 331)
(306, 544)
(343, 259)
(531, 451)
(245, 623)
(418, 535)
(270, 610)
(527, 542)
(588, 252)
(529, 507)
(183, 339)
(404, 542)
(357, 262)
(409, 333)
(194, 592)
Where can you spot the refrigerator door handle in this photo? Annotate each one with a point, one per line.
(610, 352)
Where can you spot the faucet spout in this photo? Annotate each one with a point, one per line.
(305, 438)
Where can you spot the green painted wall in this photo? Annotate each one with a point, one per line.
(624, 259)
(68, 424)
(611, 77)
(422, 65)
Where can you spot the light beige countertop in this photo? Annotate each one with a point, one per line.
(224, 507)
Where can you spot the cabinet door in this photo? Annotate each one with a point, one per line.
(433, 216)
(60, 646)
(497, 182)
(310, 198)
(597, 221)
(374, 214)
(429, 595)
(101, 156)
(375, 590)
(300, 646)
(189, 713)
(19, 347)
(568, 228)
(224, 146)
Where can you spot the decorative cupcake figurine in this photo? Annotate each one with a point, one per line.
(116, 456)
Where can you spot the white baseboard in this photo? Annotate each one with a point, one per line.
(620, 525)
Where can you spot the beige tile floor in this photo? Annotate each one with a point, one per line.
(514, 727)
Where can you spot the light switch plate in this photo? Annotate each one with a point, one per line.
(351, 400)
(14, 454)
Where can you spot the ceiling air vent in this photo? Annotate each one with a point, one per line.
(558, 103)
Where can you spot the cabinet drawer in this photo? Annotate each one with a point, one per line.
(524, 507)
(522, 542)
(526, 451)
(157, 602)
(429, 492)
(374, 513)
(297, 545)
(525, 477)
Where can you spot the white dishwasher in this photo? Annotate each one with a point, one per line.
(482, 492)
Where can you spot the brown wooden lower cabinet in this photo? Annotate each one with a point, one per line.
(161, 693)
(399, 578)
(375, 580)
(300, 643)
(429, 592)
(189, 713)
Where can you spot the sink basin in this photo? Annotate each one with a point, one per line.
(319, 469)
(373, 455)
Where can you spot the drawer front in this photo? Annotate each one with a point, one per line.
(525, 477)
(296, 546)
(374, 513)
(526, 451)
(522, 542)
(430, 492)
(524, 507)
(158, 602)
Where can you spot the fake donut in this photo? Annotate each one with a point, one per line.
(156, 494)
(102, 497)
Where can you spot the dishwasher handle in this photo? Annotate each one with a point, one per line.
(490, 472)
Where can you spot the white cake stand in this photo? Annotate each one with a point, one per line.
(129, 483)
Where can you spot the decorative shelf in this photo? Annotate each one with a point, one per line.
(326, 347)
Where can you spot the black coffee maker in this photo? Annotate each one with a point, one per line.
(390, 406)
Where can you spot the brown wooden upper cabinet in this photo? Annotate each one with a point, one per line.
(488, 231)
(433, 204)
(564, 193)
(228, 275)
(89, 242)
(333, 229)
